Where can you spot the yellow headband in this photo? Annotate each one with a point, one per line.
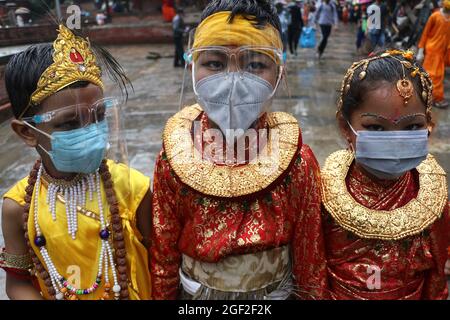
(216, 30)
(73, 61)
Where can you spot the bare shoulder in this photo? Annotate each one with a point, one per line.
(12, 223)
(12, 211)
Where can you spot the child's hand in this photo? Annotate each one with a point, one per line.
(447, 267)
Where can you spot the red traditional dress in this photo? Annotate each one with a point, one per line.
(216, 222)
(385, 240)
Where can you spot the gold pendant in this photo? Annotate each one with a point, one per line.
(405, 88)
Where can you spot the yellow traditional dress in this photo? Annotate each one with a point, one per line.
(78, 259)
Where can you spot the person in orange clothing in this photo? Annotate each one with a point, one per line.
(168, 10)
(433, 50)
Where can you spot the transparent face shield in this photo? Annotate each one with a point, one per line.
(77, 137)
(231, 75)
(82, 145)
(234, 78)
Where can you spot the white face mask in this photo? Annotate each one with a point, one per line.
(390, 154)
(234, 100)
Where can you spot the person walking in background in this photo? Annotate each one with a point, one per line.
(285, 21)
(311, 21)
(434, 50)
(178, 32)
(295, 27)
(168, 10)
(361, 34)
(345, 14)
(326, 17)
(376, 32)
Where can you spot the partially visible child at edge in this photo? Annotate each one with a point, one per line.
(79, 221)
(385, 198)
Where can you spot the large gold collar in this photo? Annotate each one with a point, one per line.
(411, 219)
(222, 180)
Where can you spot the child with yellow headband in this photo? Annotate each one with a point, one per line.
(75, 228)
(236, 229)
(385, 198)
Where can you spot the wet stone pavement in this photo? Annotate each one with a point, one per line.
(313, 89)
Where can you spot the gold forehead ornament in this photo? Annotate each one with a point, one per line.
(73, 61)
(404, 86)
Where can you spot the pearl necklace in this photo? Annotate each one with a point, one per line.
(73, 196)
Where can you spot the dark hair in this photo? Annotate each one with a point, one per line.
(263, 11)
(22, 74)
(24, 69)
(383, 69)
(279, 7)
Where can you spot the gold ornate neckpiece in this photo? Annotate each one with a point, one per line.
(73, 61)
(411, 219)
(222, 180)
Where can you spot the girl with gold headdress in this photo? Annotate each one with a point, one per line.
(77, 226)
(248, 227)
(385, 198)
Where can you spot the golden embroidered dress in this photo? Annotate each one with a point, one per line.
(397, 233)
(216, 222)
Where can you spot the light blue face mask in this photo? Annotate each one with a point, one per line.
(390, 154)
(80, 150)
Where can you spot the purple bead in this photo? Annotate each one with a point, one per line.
(104, 234)
(85, 291)
(39, 241)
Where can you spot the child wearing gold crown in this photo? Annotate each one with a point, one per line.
(385, 198)
(75, 227)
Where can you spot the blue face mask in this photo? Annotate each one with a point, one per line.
(390, 154)
(80, 150)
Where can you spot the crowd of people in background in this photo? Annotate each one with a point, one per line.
(401, 24)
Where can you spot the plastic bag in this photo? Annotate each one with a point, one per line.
(308, 38)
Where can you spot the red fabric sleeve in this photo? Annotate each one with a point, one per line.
(436, 281)
(309, 262)
(165, 256)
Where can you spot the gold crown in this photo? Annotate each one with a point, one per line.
(73, 61)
